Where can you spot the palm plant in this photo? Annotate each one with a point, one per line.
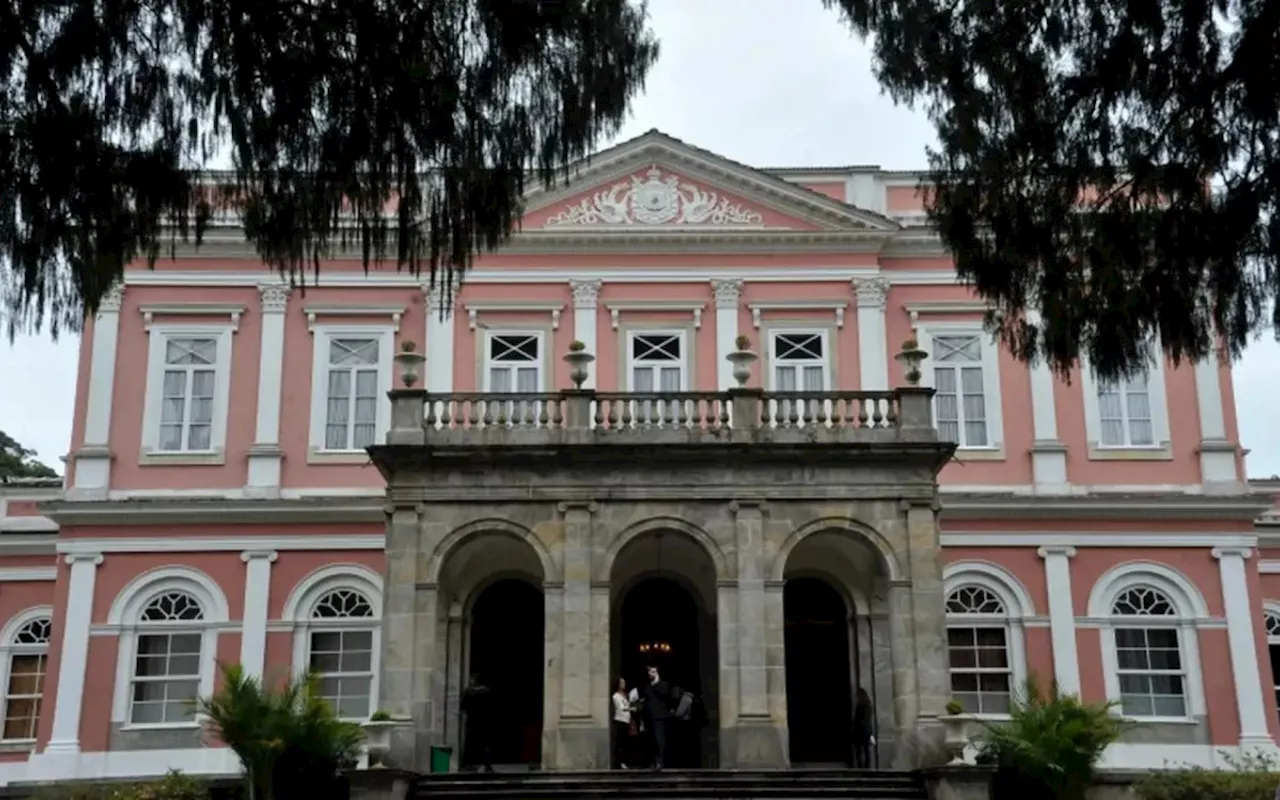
(1049, 746)
(287, 738)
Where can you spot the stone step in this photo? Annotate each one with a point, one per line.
(673, 785)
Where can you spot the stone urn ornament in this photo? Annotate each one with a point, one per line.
(955, 728)
(578, 358)
(911, 358)
(378, 737)
(742, 358)
(410, 362)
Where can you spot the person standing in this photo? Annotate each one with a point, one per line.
(623, 732)
(478, 705)
(863, 730)
(657, 704)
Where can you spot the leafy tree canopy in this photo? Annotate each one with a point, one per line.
(1112, 164)
(333, 111)
(17, 461)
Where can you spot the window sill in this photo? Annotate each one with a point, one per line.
(161, 726)
(181, 457)
(1160, 720)
(18, 746)
(1098, 453)
(315, 456)
(980, 454)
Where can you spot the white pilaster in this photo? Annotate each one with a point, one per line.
(728, 294)
(65, 737)
(873, 345)
(586, 296)
(93, 458)
(1048, 453)
(257, 596)
(1217, 455)
(439, 345)
(1062, 617)
(265, 454)
(1241, 617)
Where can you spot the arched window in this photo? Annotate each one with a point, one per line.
(978, 650)
(1149, 660)
(26, 641)
(337, 615)
(1272, 620)
(167, 662)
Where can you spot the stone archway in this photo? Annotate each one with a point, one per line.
(835, 579)
(492, 580)
(663, 612)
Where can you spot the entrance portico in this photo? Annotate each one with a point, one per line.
(686, 534)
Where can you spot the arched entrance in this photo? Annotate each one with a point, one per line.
(664, 586)
(834, 649)
(490, 581)
(506, 655)
(819, 696)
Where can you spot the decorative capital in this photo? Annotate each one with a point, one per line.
(585, 293)
(728, 291)
(1056, 550)
(259, 555)
(275, 297)
(872, 292)
(589, 506)
(1232, 552)
(83, 558)
(112, 300)
(440, 296)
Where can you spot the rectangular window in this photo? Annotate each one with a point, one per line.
(1124, 411)
(657, 362)
(342, 662)
(1274, 650)
(22, 696)
(960, 401)
(1149, 665)
(166, 678)
(187, 394)
(980, 671)
(799, 362)
(351, 416)
(514, 363)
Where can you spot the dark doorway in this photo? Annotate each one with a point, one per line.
(661, 624)
(506, 652)
(819, 687)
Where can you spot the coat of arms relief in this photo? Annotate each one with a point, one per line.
(656, 199)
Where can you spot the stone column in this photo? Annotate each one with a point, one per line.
(759, 738)
(728, 294)
(775, 623)
(92, 461)
(873, 344)
(584, 735)
(74, 660)
(929, 628)
(553, 674)
(257, 598)
(727, 639)
(456, 642)
(585, 302)
(906, 706)
(1048, 453)
(1252, 707)
(1062, 617)
(439, 345)
(881, 685)
(1217, 453)
(411, 683)
(265, 455)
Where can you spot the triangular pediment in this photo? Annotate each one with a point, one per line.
(658, 183)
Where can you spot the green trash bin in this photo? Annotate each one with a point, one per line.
(441, 757)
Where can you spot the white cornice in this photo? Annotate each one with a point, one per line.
(222, 544)
(695, 308)
(231, 310)
(28, 524)
(1095, 539)
(798, 305)
(179, 510)
(1241, 508)
(515, 306)
(915, 310)
(29, 544)
(16, 574)
(316, 310)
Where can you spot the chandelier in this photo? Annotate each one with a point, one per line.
(655, 647)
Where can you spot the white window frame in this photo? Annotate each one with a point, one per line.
(323, 335)
(991, 386)
(1191, 613)
(298, 608)
(1018, 610)
(1271, 625)
(632, 362)
(538, 363)
(159, 335)
(824, 362)
(124, 621)
(1156, 396)
(9, 648)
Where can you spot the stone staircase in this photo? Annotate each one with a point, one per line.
(797, 784)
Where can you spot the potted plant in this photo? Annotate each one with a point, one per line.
(410, 361)
(955, 725)
(378, 736)
(578, 358)
(742, 358)
(911, 357)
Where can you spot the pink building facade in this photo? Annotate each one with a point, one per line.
(220, 506)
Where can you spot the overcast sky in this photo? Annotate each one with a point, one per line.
(765, 82)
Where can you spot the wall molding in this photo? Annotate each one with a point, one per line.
(1096, 539)
(223, 544)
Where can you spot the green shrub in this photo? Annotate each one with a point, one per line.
(174, 786)
(1050, 745)
(1253, 776)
